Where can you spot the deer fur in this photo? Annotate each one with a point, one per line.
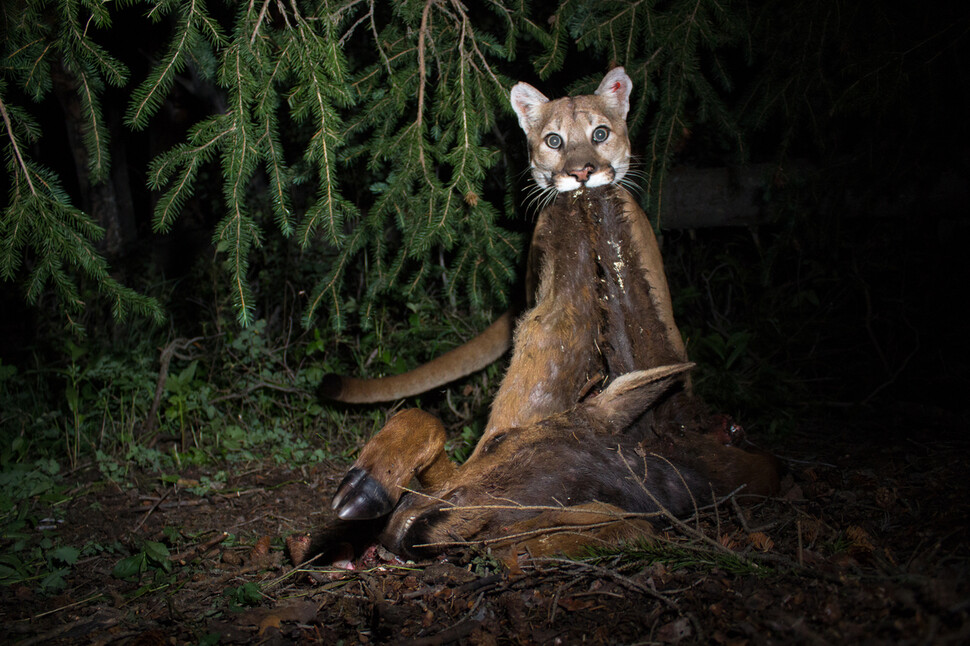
(592, 427)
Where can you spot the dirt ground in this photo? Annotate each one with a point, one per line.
(866, 544)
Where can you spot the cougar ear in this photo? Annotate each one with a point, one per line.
(526, 101)
(632, 394)
(615, 89)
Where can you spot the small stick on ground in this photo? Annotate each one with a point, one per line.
(740, 515)
(607, 573)
(151, 510)
(199, 548)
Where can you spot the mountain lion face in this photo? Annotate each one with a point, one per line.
(578, 141)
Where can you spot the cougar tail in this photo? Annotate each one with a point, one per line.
(463, 360)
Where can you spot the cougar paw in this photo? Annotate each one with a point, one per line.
(361, 497)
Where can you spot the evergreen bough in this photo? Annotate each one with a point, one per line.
(404, 102)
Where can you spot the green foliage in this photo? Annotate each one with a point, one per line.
(248, 594)
(23, 488)
(484, 563)
(462, 446)
(677, 555)
(44, 44)
(45, 565)
(150, 557)
(372, 132)
(29, 495)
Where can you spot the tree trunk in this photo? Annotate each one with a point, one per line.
(110, 202)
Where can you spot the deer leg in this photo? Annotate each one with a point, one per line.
(411, 444)
(732, 467)
(572, 529)
(726, 467)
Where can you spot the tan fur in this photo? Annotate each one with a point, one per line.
(572, 531)
(412, 433)
(558, 451)
(481, 501)
(573, 119)
(470, 357)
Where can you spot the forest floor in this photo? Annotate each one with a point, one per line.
(866, 543)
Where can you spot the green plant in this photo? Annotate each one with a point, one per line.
(30, 495)
(22, 486)
(150, 557)
(45, 564)
(72, 395)
(484, 563)
(462, 446)
(372, 133)
(248, 594)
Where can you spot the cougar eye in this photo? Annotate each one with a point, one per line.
(601, 134)
(553, 140)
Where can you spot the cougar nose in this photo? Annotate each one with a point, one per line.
(583, 173)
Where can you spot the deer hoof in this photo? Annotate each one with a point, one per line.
(361, 497)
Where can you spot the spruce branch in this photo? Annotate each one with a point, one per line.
(377, 42)
(316, 89)
(259, 21)
(94, 132)
(21, 169)
(40, 217)
(555, 43)
(205, 140)
(422, 80)
(329, 285)
(279, 174)
(148, 96)
(410, 125)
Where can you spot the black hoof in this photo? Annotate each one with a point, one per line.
(360, 497)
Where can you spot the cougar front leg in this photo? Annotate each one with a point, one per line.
(411, 444)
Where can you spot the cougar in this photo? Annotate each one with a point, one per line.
(577, 142)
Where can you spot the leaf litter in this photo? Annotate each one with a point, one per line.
(866, 543)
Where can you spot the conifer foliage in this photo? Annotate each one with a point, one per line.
(401, 105)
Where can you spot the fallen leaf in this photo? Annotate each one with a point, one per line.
(302, 612)
(230, 557)
(674, 631)
(572, 604)
(761, 541)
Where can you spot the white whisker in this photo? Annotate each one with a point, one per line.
(631, 185)
(539, 198)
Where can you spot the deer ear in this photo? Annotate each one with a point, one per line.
(615, 89)
(526, 101)
(632, 394)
